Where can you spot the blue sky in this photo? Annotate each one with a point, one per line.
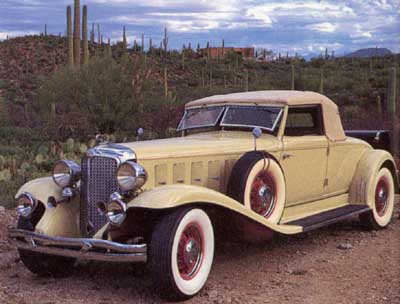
(304, 27)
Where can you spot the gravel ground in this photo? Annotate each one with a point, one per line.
(341, 263)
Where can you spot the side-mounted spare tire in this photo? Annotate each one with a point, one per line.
(258, 183)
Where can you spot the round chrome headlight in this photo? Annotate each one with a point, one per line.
(66, 173)
(131, 176)
(26, 204)
(116, 212)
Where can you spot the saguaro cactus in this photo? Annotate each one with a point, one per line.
(292, 79)
(98, 34)
(77, 33)
(124, 41)
(211, 77)
(246, 80)
(70, 39)
(150, 45)
(109, 50)
(379, 104)
(321, 81)
(142, 43)
(165, 42)
(92, 35)
(85, 36)
(165, 83)
(393, 112)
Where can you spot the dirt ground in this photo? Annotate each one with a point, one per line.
(309, 268)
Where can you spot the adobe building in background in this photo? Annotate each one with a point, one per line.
(215, 52)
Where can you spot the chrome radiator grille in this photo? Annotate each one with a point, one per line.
(98, 182)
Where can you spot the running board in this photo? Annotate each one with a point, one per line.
(329, 217)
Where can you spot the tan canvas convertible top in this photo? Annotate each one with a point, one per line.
(333, 125)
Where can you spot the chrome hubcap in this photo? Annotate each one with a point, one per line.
(381, 196)
(263, 194)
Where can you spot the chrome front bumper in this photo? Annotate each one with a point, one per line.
(83, 249)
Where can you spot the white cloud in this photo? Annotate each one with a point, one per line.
(326, 27)
(12, 34)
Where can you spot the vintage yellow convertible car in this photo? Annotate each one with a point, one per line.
(248, 164)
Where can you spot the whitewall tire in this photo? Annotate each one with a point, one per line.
(181, 253)
(383, 201)
(257, 182)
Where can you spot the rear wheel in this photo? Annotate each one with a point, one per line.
(43, 264)
(181, 253)
(382, 209)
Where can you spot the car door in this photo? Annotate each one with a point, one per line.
(304, 156)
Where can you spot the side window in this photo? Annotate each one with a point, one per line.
(303, 121)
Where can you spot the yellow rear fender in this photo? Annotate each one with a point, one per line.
(362, 190)
(172, 196)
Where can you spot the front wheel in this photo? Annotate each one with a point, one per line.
(43, 264)
(181, 253)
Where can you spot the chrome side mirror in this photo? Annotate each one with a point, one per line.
(257, 132)
(139, 133)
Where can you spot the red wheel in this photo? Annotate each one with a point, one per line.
(381, 203)
(381, 196)
(190, 251)
(258, 183)
(181, 253)
(263, 194)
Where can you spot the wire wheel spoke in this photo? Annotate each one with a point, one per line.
(263, 194)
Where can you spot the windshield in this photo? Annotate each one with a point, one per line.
(241, 116)
(264, 117)
(199, 118)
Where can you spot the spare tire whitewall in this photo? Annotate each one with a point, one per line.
(182, 253)
(257, 182)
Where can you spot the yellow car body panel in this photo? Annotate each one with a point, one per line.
(204, 160)
(60, 221)
(173, 196)
(361, 191)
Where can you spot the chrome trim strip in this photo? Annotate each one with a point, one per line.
(118, 152)
(81, 248)
(250, 126)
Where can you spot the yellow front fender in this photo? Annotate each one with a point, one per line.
(60, 221)
(362, 190)
(41, 189)
(171, 196)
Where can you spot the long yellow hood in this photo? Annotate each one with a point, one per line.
(222, 142)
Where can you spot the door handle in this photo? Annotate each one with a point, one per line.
(286, 155)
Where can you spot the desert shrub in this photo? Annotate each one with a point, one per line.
(24, 136)
(97, 98)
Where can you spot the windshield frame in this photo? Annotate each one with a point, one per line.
(272, 129)
(180, 128)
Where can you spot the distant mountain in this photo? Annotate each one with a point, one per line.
(370, 52)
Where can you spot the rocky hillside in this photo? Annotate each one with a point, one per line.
(24, 59)
(370, 52)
